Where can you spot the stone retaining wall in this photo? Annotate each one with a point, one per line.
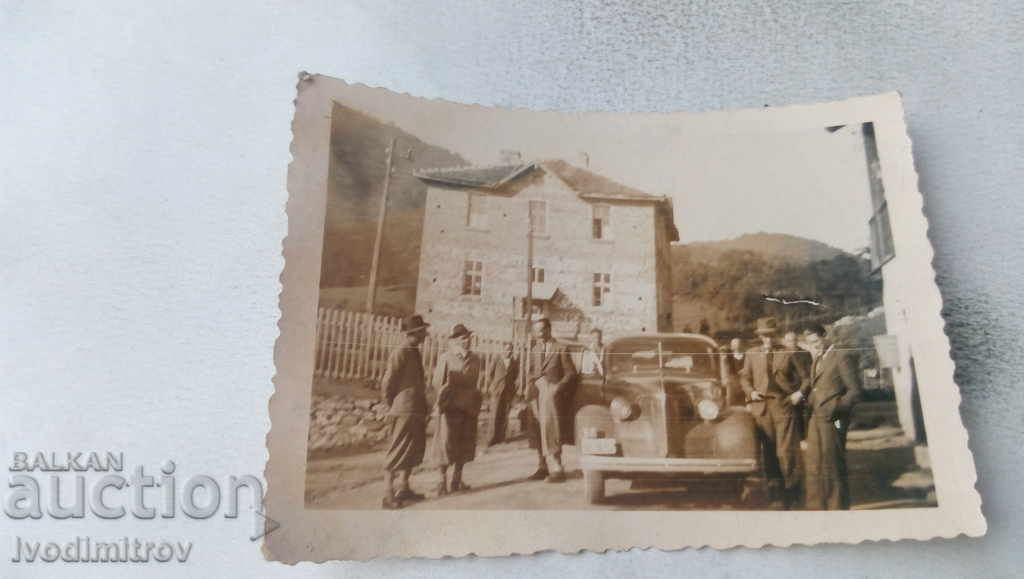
(339, 424)
(336, 422)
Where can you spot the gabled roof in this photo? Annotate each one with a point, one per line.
(491, 177)
(593, 186)
(586, 184)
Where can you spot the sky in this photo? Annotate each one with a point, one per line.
(727, 174)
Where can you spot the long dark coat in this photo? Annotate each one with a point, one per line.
(835, 389)
(404, 389)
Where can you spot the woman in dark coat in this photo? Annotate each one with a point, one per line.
(457, 409)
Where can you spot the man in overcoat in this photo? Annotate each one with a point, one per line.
(774, 415)
(458, 406)
(552, 373)
(835, 389)
(404, 390)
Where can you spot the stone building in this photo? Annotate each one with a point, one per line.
(601, 254)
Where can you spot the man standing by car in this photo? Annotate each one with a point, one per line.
(551, 373)
(734, 360)
(592, 363)
(775, 417)
(793, 376)
(835, 389)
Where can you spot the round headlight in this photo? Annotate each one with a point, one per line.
(623, 410)
(707, 409)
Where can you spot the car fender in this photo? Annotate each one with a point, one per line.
(594, 416)
(736, 435)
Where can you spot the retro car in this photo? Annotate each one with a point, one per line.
(661, 411)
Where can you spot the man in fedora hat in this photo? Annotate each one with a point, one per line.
(405, 391)
(457, 409)
(774, 415)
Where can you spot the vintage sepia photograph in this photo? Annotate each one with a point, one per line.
(518, 311)
(492, 325)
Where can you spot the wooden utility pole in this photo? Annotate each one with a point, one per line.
(528, 333)
(371, 294)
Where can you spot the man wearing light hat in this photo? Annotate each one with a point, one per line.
(404, 388)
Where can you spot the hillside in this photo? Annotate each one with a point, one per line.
(771, 246)
(723, 284)
(355, 184)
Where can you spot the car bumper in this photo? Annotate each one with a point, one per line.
(669, 465)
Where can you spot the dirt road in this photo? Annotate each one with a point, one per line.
(498, 482)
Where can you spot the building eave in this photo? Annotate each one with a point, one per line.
(450, 176)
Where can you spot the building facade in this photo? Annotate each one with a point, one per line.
(896, 346)
(600, 251)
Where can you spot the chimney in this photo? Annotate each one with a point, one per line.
(509, 157)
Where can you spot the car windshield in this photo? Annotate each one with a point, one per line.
(675, 355)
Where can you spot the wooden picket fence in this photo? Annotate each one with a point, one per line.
(356, 345)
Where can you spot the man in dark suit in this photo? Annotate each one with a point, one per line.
(793, 376)
(774, 416)
(501, 381)
(835, 389)
(551, 374)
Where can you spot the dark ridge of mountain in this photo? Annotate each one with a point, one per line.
(358, 160)
(771, 246)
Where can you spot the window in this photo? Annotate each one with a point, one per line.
(882, 249)
(472, 277)
(476, 214)
(602, 289)
(881, 237)
(538, 275)
(539, 217)
(602, 221)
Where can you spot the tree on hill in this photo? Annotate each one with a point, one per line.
(737, 282)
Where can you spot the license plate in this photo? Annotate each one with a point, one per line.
(599, 446)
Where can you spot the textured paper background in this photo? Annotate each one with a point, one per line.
(144, 153)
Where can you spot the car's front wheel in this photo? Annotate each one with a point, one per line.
(593, 486)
